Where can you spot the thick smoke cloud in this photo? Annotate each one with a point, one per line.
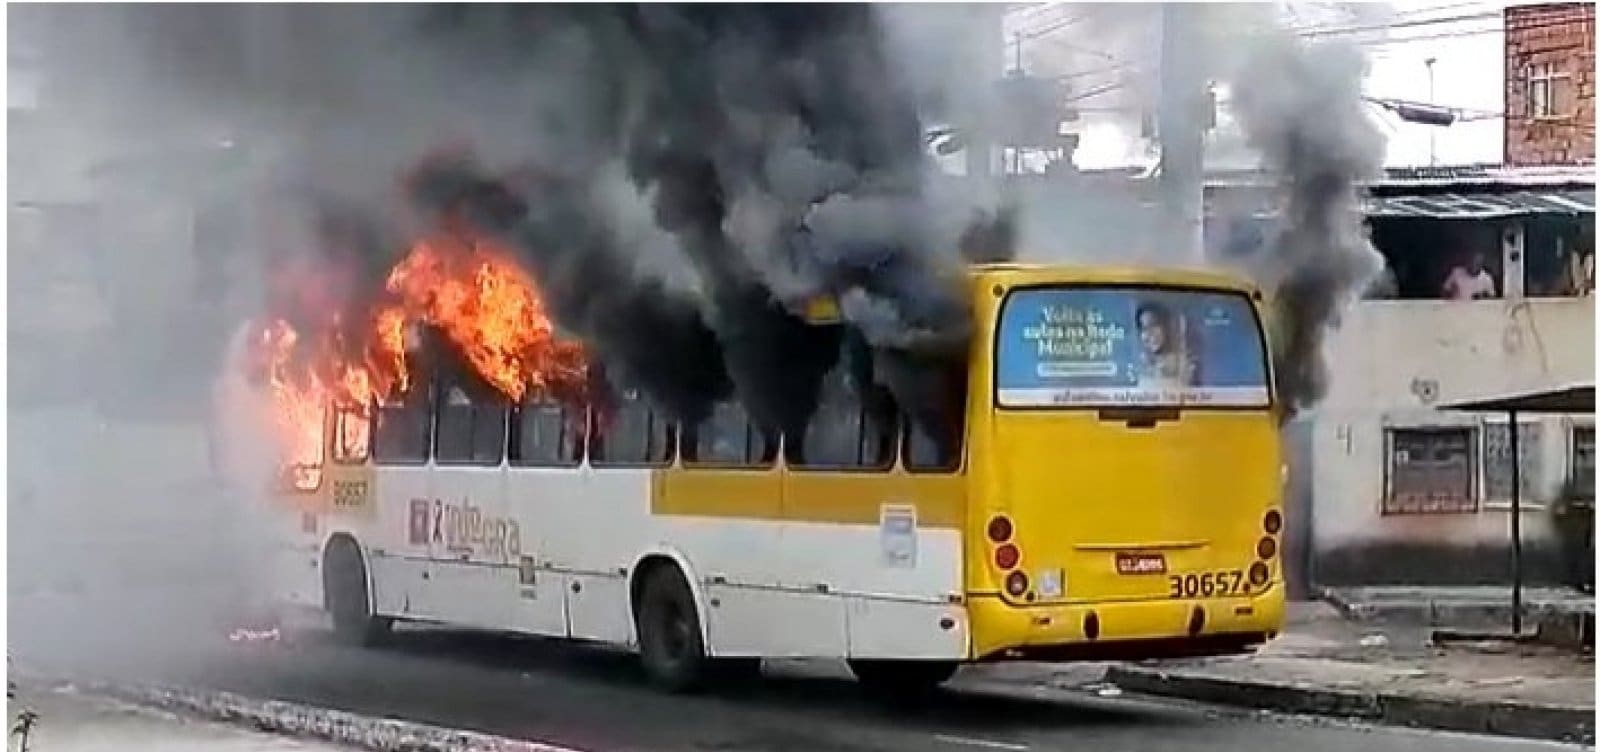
(1301, 106)
(782, 156)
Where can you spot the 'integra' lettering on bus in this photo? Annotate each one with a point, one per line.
(463, 529)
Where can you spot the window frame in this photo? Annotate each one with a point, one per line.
(424, 386)
(1572, 455)
(594, 434)
(1532, 472)
(1545, 77)
(287, 471)
(774, 451)
(1388, 503)
(441, 402)
(903, 456)
(1270, 406)
(514, 429)
(340, 414)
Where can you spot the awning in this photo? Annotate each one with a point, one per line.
(1483, 205)
(1573, 398)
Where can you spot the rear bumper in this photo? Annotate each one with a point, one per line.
(1128, 630)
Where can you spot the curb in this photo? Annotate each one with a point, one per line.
(1500, 718)
(1458, 614)
(322, 724)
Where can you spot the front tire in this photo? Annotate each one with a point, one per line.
(348, 603)
(902, 678)
(670, 646)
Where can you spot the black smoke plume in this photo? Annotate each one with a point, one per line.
(783, 158)
(1301, 106)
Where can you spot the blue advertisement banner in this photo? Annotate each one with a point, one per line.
(1125, 346)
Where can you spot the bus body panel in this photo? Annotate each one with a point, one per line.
(788, 562)
(1180, 497)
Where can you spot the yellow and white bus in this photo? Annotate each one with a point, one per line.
(1113, 491)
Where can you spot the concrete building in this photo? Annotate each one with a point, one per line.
(1390, 490)
(1550, 70)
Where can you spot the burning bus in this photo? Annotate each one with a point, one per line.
(1095, 475)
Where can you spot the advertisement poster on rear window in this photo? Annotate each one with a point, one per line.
(1129, 347)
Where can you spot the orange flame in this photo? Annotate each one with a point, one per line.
(487, 306)
(470, 291)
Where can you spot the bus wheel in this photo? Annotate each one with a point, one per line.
(670, 647)
(344, 583)
(901, 678)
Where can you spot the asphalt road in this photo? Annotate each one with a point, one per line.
(594, 699)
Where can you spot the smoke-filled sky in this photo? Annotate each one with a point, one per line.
(1113, 71)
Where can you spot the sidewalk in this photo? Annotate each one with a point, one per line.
(67, 721)
(1325, 664)
(1560, 615)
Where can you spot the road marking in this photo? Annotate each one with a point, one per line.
(984, 743)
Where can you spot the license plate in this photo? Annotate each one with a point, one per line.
(1219, 584)
(1141, 563)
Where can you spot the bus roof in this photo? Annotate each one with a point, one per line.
(824, 310)
(1013, 274)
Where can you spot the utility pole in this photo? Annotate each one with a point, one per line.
(1180, 123)
(1433, 155)
(990, 41)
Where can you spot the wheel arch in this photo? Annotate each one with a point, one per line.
(663, 556)
(339, 539)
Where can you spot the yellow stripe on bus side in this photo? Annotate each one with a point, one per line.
(838, 498)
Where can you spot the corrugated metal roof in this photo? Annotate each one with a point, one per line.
(1476, 205)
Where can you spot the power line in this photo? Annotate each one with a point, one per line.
(1407, 14)
(1323, 32)
(1054, 27)
(1462, 33)
(1095, 92)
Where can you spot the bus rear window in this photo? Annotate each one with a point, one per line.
(1129, 347)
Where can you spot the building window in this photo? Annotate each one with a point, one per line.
(1549, 92)
(1430, 472)
(1497, 459)
(1583, 460)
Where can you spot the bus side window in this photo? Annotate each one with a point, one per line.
(471, 426)
(547, 434)
(846, 431)
(352, 436)
(727, 437)
(404, 427)
(935, 442)
(926, 453)
(630, 434)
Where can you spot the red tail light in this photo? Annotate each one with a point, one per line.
(1000, 529)
(1007, 556)
(1016, 584)
(1273, 522)
(1259, 574)
(1266, 548)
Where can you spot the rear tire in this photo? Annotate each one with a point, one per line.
(344, 583)
(899, 679)
(670, 646)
